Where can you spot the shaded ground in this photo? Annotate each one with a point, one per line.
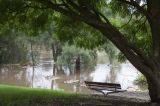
(138, 96)
(97, 102)
(94, 101)
(125, 99)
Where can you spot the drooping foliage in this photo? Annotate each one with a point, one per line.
(37, 17)
(75, 32)
(21, 15)
(134, 25)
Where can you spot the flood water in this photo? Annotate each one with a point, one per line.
(41, 76)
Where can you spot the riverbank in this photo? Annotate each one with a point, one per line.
(21, 96)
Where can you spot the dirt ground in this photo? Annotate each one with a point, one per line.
(117, 99)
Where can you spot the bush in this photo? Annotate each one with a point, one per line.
(141, 82)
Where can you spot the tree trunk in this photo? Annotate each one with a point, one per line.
(52, 84)
(54, 69)
(33, 76)
(154, 21)
(154, 87)
(32, 55)
(78, 63)
(77, 73)
(149, 67)
(113, 74)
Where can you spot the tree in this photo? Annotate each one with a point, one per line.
(13, 47)
(74, 58)
(144, 16)
(52, 42)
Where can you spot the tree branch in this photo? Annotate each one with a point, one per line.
(35, 7)
(127, 22)
(137, 6)
(101, 15)
(57, 7)
(133, 54)
(74, 5)
(67, 6)
(67, 12)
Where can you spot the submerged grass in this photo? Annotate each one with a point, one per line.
(22, 96)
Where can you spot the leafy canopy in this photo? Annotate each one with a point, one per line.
(35, 17)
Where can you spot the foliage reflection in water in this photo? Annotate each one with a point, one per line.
(46, 75)
(42, 76)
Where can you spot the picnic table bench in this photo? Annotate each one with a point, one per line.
(102, 87)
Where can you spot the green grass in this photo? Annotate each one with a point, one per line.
(21, 96)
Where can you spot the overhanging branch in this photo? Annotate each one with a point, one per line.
(101, 15)
(66, 12)
(136, 5)
(108, 30)
(133, 54)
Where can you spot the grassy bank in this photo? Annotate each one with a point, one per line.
(21, 96)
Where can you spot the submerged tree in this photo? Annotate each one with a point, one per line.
(138, 39)
(51, 41)
(74, 58)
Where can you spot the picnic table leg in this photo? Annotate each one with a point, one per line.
(110, 93)
(106, 94)
(101, 92)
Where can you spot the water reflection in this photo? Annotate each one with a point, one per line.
(13, 74)
(47, 75)
(114, 70)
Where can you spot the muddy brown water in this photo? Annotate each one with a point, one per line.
(41, 76)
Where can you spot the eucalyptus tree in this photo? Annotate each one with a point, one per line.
(138, 39)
